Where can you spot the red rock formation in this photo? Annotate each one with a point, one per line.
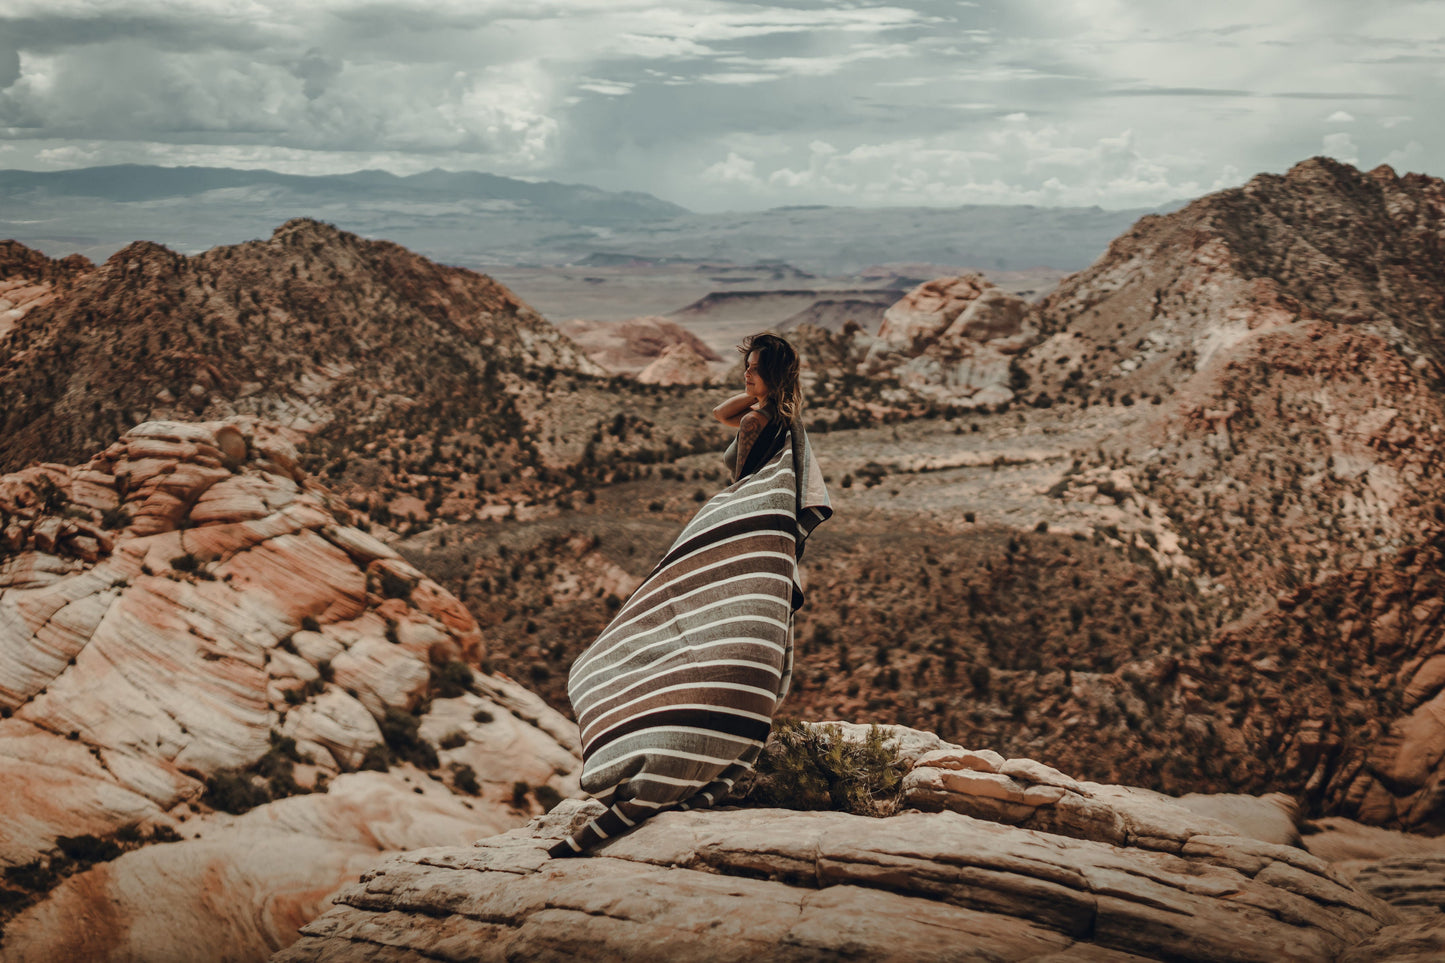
(29, 279)
(678, 364)
(188, 624)
(628, 347)
(1106, 873)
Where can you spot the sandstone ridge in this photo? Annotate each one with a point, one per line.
(1125, 875)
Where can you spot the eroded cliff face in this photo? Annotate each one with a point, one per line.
(190, 630)
(1003, 859)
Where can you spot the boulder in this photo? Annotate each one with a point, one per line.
(679, 364)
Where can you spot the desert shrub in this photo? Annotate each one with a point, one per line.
(185, 563)
(376, 759)
(454, 679)
(482, 716)
(31, 876)
(309, 623)
(114, 518)
(546, 797)
(87, 848)
(277, 766)
(464, 779)
(453, 740)
(234, 792)
(519, 794)
(399, 729)
(394, 586)
(812, 767)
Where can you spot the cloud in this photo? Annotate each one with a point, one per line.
(734, 170)
(728, 103)
(610, 88)
(316, 72)
(9, 65)
(1019, 163)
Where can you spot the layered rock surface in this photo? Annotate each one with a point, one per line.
(678, 364)
(1110, 873)
(630, 347)
(29, 279)
(188, 625)
(953, 338)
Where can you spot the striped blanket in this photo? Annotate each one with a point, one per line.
(676, 697)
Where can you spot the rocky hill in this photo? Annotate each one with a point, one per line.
(219, 700)
(418, 391)
(315, 329)
(1287, 336)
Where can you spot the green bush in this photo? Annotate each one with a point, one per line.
(376, 759)
(31, 876)
(546, 797)
(464, 779)
(394, 586)
(399, 729)
(812, 767)
(88, 849)
(234, 792)
(454, 679)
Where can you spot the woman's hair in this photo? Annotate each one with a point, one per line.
(778, 367)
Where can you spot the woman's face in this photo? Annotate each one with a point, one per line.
(752, 381)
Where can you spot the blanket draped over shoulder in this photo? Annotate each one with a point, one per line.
(676, 697)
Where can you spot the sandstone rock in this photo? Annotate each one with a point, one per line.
(1415, 882)
(223, 622)
(1142, 877)
(679, 364)
(953, 338)
(1417, 941)
(630, 347)
(778, 885)
(245, 885)
(927, 311)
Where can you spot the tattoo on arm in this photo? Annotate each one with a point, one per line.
(752, 427)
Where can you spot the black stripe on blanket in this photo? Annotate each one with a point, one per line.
(676, 697)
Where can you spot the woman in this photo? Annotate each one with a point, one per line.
(676, 697)
(767, 406)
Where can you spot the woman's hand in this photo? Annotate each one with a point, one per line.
(731, 412)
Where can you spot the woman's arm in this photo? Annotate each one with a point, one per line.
(731, 412)
(752, 425)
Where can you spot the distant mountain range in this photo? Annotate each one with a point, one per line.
(478, 220)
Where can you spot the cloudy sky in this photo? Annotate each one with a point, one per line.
(729, 105)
